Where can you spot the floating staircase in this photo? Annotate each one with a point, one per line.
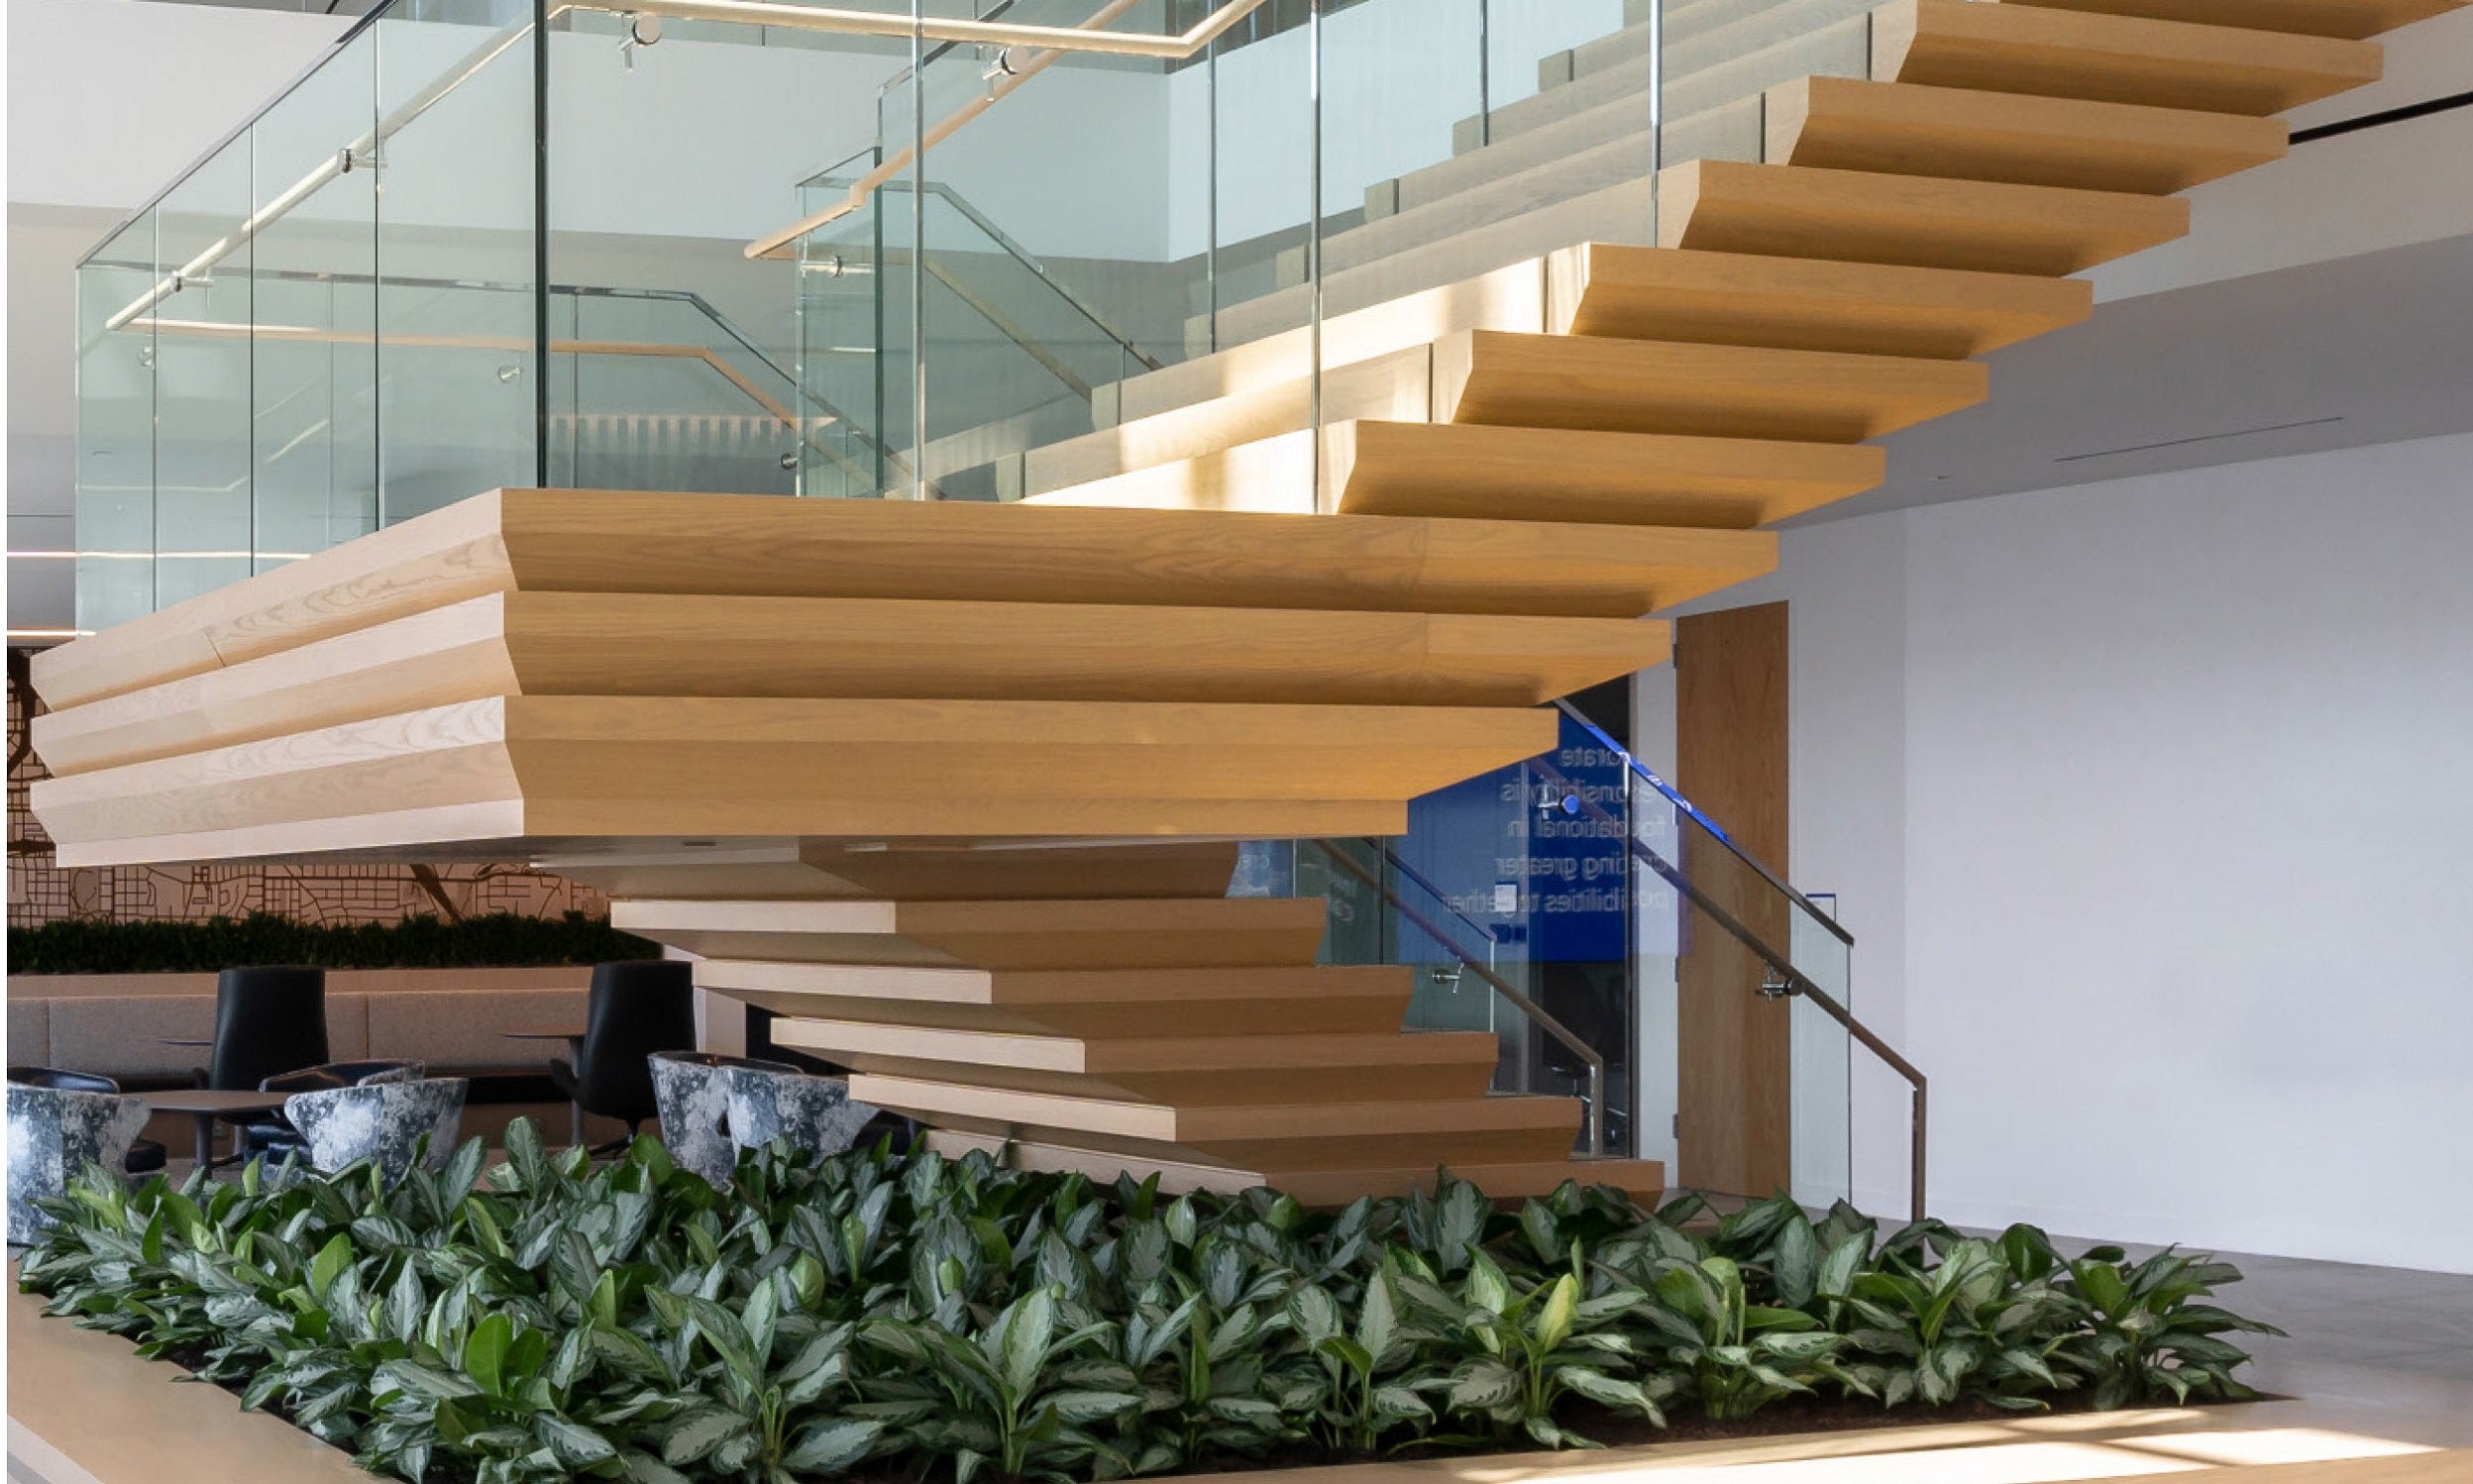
(890, 768)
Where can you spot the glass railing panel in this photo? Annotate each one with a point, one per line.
(661, 399)
(1462, 136)
(1822, 1054)
(201, 379)
(1515, 910)
(116, 384)
(853, 329)
(1721, 55)
(314, 358)
(1534, 45)
(1075, 213)
(1743, 1080)
(676, 147)
(460, 370)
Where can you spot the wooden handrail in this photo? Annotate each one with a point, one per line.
(295, 334)
(1086, 37)
(1053, 42)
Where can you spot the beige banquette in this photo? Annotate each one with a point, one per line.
(117, 1024)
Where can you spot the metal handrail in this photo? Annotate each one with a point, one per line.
(1796, 980)
(1537, 1014)
(1053, 43)
(1023, 256)
(1643, 772)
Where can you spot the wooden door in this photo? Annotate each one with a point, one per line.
(1734, 1095)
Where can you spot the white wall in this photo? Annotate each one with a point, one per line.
(2146, 803)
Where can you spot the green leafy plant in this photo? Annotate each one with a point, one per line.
(1528, 1349)
(418, 942)
(2140, 1334)
(550, 1318)
(1008, 1394)
(1739, 1356)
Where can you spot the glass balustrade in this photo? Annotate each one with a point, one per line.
(1624, 952)
(1055, 250)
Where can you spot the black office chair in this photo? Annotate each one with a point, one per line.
(636, 1009)
(145, 1155)
(272, 1135)
(269, 1020)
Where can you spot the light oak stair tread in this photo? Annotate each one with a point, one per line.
(1319, 1188)
(1105, 916)
(1337, 1122)
(1040, 988)
(912, 870)
(755, 545)
(1268, 1054)
(1479, 471)
(1755, 28)
(1618, 213)
(1566, 175)
(1392, 384)
(1132, 934)
(1806, 303)
(1698, 390)
(665, 643)
(2352, 20)
(1474, 169)
(629, 769)
(1512, 298)
(1916, 221)
(2111, 58)
(1898, 128)
(1138, 1019)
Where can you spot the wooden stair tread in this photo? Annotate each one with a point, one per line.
(1645, 1179)
(1507, 298)
(1479, 471)
(1044, 934)
(1268, 1054)
(2112, 58)
(632, 767)
(1226, 1017)
(1916, 221)
(2352, 20)
(1038, 990)
(1692, 390)
(2020, 139)
(1301, 1124)
(646, 644)
(1809, 303)
(911, 871)
(586, 540)
(1106, 915)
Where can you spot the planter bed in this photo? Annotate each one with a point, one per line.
(893, 1318)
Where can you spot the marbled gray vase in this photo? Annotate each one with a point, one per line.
(384, 1122)
(693, 1092)
(816, 1114)
(52, 1134)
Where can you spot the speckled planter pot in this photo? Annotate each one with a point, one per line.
(692, 1091)
(52, 1134)
(384, 1122)
(816, 1114)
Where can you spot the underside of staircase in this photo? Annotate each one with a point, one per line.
(951, 788)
